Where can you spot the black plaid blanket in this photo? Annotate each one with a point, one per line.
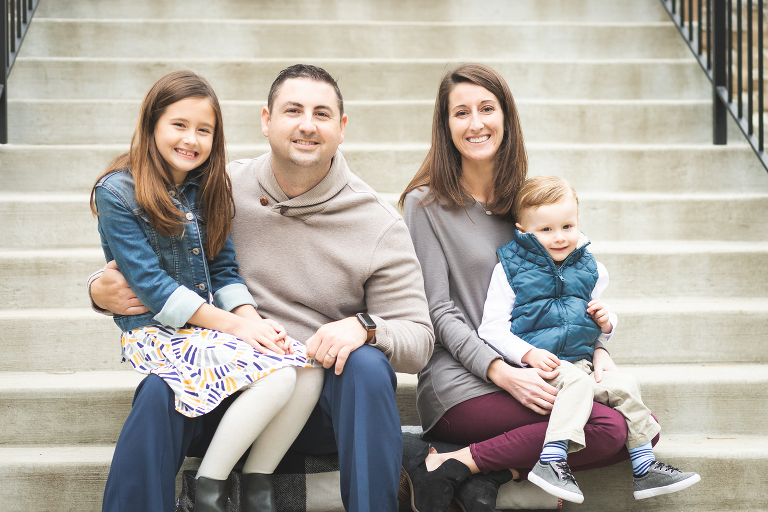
(306, 483)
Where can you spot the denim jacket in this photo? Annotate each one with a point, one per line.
(169, 274)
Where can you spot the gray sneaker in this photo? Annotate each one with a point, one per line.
(556, 478)
(662, 479)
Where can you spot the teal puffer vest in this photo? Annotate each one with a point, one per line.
(551, 303)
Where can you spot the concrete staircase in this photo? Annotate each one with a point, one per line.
(609, 98)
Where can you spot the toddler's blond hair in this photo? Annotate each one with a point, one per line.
(540, 191)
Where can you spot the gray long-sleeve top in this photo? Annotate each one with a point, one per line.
(457, 252)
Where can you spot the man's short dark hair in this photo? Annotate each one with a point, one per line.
(304, 71)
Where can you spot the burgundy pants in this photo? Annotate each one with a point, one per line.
(504, 434)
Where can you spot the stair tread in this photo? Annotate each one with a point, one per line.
(29, 382)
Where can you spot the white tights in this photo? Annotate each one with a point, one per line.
(268, 415)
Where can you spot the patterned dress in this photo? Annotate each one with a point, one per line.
(203, 366)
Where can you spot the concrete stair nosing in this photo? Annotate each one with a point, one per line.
(566, 121)
(360, 79)
(671, 168)
(47, 408)
(649, 332)
(243, 38)
(639, 270)
(56, 220)
(522, 10)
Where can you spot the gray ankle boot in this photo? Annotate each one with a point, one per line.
(211, 495)
(257, 495)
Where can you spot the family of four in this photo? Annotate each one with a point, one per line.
(271, 301)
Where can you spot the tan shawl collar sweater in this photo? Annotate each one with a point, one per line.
(334, 251)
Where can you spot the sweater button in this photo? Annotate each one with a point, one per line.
(263, 201)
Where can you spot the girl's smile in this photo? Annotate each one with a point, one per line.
(184, 135)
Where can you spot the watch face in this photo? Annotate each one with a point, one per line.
(366, 320)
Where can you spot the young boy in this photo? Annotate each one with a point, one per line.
(543, 310)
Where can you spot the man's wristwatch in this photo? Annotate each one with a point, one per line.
(368, 324)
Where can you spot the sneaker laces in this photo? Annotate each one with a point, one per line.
(564, 470)
(664, 467)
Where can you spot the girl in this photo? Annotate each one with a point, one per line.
(164, 211)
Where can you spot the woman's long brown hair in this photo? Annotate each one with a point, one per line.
(152, 176)
(441, 169)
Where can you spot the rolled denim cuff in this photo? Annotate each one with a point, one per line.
(232, 296)
(179, 307)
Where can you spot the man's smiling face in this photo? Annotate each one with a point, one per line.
(305, 126)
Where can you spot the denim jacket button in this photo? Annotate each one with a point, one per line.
(201, 286)
(190, 215)
(171, 193)
(195, 251)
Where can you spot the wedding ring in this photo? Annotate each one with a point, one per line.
(332, 355)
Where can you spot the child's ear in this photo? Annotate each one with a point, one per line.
(519, 227)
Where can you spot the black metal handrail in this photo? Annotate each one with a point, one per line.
(708, 28)
(17, 15)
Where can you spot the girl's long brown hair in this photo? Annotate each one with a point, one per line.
(152, 176)
(441, 169)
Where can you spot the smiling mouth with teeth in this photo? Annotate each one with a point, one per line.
(479, 139)
(186, 153)
(305, 142)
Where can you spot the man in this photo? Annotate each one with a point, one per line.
(332, 262)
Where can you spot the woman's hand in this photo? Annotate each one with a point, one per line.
(602, 361)
(526, 385)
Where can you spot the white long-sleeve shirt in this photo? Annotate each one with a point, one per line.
(496, 326)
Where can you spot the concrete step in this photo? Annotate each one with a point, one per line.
(684, 269)
(389, 167)
(727, 465)
(458, 10)
(58, 478)
(50, 408)
(656, 331)
(649, 332)
(301, 39)
(407, 122)
(59, 340)
(77, 474)
(69, 408)
(663, 270)
(361, 79)
(42, 221)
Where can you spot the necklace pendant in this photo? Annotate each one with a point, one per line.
(488, 212)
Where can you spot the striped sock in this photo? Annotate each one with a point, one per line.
(642, 457)
(556, 450)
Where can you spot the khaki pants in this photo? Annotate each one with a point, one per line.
(577, 389)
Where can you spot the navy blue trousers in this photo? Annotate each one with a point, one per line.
(356, 416)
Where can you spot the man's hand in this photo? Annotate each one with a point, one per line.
(602, 361)
(601, 315)
(526, 385)
(111, 292)
(541, 359)
(334, 342)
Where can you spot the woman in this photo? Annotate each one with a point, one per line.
(457, 208)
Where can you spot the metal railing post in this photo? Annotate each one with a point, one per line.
(4, 83)
(719, 74)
